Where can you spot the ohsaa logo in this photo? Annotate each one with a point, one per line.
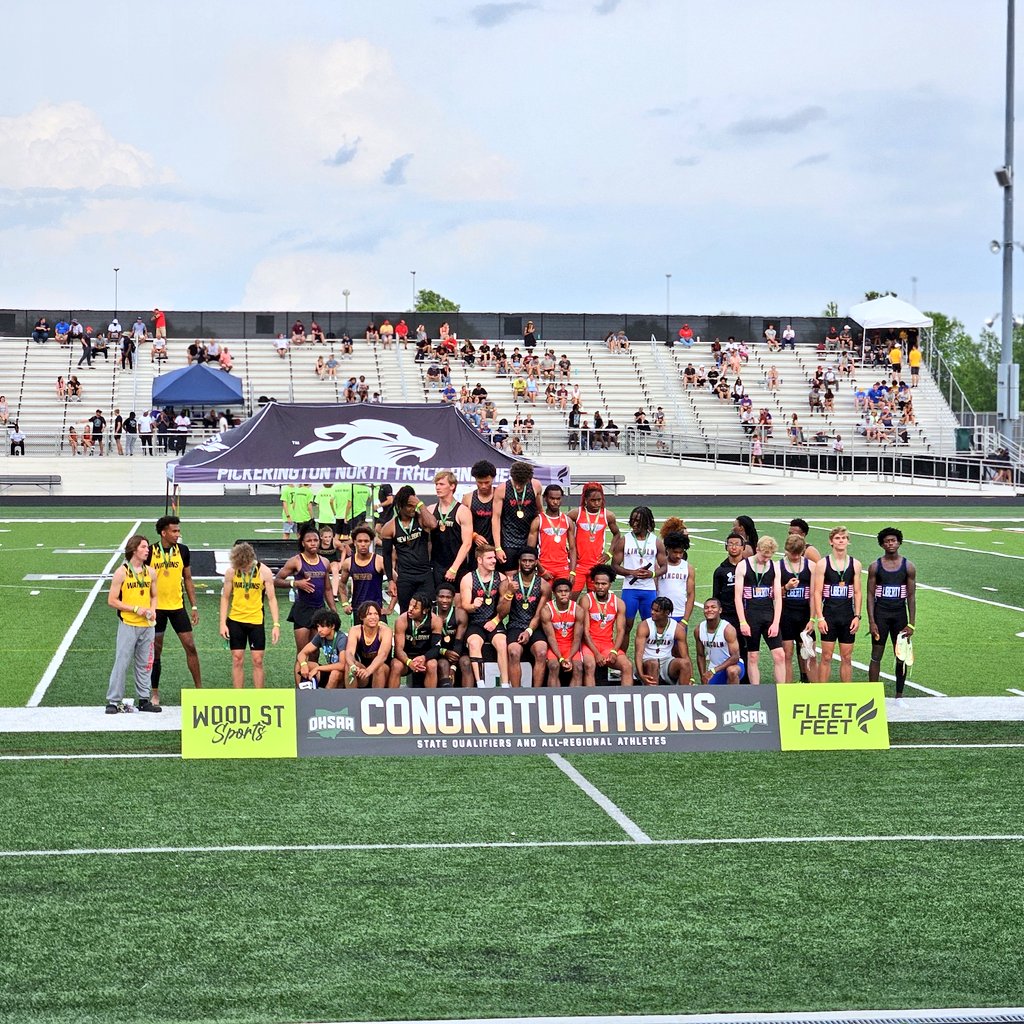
(744, 718)
(371, 442)
(327, 724)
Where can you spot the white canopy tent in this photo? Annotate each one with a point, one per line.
(888, 311)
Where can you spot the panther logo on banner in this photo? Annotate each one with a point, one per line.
(371, 442)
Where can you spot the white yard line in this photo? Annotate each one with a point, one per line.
(954, 746)
(79, 757)
(630, 827)
(69, 637)
(120, 851)
(1010, 689)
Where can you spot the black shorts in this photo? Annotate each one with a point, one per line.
(409, 586)
(427, 650)
(792, 624)
(242, 633)
(838, 629)
(537, 636)
(485, 633)
(759, 631)
(301, 615)
(890, 625)
(179, 620)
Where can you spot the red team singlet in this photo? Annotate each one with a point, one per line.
(554, 547)
(602, 622)
(563, 624)
(590, 535)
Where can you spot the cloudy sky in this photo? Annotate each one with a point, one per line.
(558, 155)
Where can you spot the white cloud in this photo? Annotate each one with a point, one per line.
(66, 146)
(290, 114)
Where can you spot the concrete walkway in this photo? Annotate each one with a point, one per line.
(94, 719)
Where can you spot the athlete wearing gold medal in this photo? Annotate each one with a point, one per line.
(133, 595)
(516, 504)
(451, 540)
(171, 561)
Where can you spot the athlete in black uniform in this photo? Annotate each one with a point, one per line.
(480, 502)
(516, 505)
(410, 532)
(891, 601)
(758, 598)
(452, 539)
(453, 644)
(523, 629)
(795, 578)
(723, 585)
(417, 644)
(835, 604)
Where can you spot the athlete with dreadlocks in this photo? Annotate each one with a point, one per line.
(744, 526)
(891, 603)
(593, 524)
(637, 554)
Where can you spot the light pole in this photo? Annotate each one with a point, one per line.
(346, 293)
(1008, 377)
(668, 302)
(413, 272)
(116, 269)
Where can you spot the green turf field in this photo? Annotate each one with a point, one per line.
(970, 587)
(506, 926)
(488, 886)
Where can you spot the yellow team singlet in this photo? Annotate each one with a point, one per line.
(169, 567)
(135, 591)
(247, 596)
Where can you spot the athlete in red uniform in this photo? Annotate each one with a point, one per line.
(605, 624)
(593, 523)
(554, 534)
(563, 624)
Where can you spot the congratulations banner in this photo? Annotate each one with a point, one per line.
(342, 723)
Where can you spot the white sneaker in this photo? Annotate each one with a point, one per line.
(905, 649)
(807, 650)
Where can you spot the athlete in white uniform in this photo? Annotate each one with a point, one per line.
(718, 648)
(661, 654)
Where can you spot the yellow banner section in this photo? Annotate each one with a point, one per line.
(833, 716)
(238, 723)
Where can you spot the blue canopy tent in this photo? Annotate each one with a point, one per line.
(197, 384)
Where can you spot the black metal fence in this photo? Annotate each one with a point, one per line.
(505, 326)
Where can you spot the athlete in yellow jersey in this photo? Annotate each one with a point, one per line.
(133, 595)
(171, 561)
(247, 583)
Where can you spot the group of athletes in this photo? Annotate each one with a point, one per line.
(507, 575)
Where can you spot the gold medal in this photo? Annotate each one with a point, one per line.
(441, 527)
(520, 514)
(526, 605)
(487, 600)
(447, 638)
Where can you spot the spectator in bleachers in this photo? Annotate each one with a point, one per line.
(529, 336)
(500, 435)
(118, 430)
(448, 393)
(483, 354)
(500, 361)
(62, 390)
(131, 433)
(738, 391)
(518, 387)
(531, 390)
(320, 368)
(468, 352)
(610, 341)
(547, 366)
(788, 337)
(550, 393)
(225, 359)
(723, 390)
(281, 345)
(99, 345)
(831, 339)
(158, 352)
(127, 351)
(716, 352)
(516, 360)
(376, 398)
(829, 401)
(5, 412)
(60, 332)
(845, 338)
(575, 422)
(74, 388)
(194, 351)
(316, 334)
(298, 333)
(896, 361)
(182, 426)
(362, 389)
(747, 422)
(689, 375)
(422, 350)
(433, 376)
(41, 331)
(796, 432)
(387, 333)
(771, 378)
(733, 358)
(84, 342)
(17, 438)
(621, 342)
(562, 395)
(73, 439)
(575, 395)
(701, 380)
(114, 330)
(331, 368)
(97, 424)
(686, 336)
(713, 376)
(139, 331)
(213, 351)
(771, 338)
(402, 333)
(814, 397)
(349, 391)
(764, 422)
(564, 367)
